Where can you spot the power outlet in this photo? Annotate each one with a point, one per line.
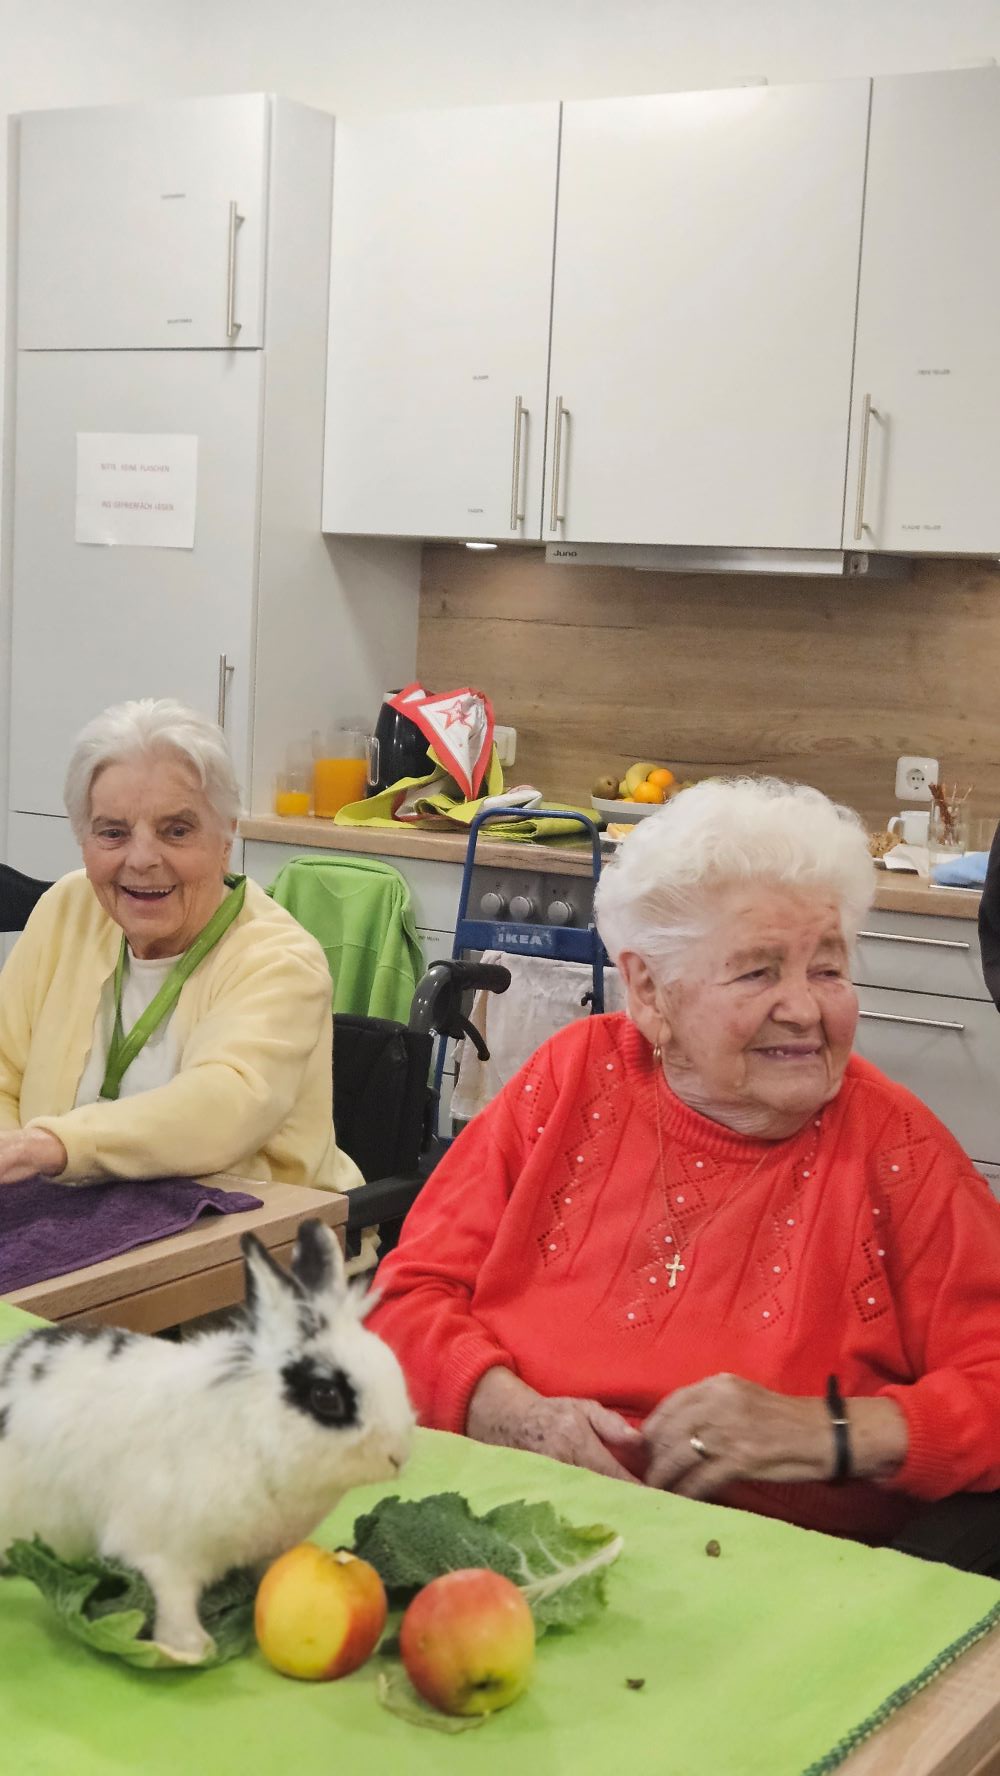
(505, 740)
(914, 777)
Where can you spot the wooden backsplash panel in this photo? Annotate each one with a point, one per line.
(823, 680)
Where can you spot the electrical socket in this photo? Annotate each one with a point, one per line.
(914, 777)
(505, 740)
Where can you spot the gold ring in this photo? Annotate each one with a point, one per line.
(699, 1448)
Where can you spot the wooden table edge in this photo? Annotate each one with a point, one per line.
(215, 1238)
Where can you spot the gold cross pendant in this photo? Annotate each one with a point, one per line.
(672, 1268)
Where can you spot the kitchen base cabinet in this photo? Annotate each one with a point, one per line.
(945, 1051)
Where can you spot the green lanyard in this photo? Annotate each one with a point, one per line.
(123, 1049)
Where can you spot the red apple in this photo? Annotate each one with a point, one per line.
(319, 1613)
(468, 1642)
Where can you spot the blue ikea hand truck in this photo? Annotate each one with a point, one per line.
(555, 943)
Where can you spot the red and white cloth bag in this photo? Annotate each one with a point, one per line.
(459, 726)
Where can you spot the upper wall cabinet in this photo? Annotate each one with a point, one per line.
(703, 317)
(143, 226)
(925, 433)
(441, 275)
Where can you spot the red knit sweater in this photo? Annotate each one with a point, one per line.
(867, 1246)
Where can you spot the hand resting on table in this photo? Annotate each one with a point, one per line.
(748, 1432)
(29, 1153)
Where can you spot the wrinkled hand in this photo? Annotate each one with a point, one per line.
(583, 1433)
(751, 1433)
(28, 1153)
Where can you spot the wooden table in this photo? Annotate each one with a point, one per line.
(950, 1729)
(191, 1273)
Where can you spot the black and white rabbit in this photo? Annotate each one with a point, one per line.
(184, 1460)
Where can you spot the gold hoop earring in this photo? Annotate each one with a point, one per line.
(657, 1053)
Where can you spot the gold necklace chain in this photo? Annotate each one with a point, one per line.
(675, 1265)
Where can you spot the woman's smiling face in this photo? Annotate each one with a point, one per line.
(758, 1031)
(155, 852)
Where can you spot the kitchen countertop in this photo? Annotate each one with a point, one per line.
(894, 892)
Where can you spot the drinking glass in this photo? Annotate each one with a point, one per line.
(948, 838)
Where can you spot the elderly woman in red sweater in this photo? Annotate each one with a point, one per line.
(703, 1244)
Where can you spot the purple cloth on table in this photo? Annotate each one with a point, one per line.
(47, 1229)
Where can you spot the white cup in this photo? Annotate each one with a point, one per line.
(911, 825)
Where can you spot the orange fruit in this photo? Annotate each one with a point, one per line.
(648, 792)
(661, 777)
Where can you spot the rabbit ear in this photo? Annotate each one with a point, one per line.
(270, 1291)
(317, 1261)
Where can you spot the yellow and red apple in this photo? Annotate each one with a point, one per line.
(319, 1613)
(468, 1642)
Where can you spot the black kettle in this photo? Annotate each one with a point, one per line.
(397, 748)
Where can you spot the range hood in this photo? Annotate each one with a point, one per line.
(656, 558)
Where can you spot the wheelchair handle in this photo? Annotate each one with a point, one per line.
(437, 1000)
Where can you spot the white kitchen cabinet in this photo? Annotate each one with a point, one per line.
(439, 317)
(144, 225)
(288, 629)
(94, 625)
(924, 461)
(703, 316)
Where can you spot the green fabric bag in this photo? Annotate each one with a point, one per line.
(441, 806)
(359, 910)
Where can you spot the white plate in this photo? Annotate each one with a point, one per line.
(625, 812)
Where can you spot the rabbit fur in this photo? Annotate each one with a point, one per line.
(184, 1460)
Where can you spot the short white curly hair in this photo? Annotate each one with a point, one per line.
(651, 898)
(146, 729)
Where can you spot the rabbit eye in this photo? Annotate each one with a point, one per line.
(324, 1394)
(329, 1403)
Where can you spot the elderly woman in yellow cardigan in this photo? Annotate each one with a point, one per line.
(159, 1016)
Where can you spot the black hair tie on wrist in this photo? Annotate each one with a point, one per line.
(842, 1468)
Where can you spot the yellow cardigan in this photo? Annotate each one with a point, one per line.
(253, 1090)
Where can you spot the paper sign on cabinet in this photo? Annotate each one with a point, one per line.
(136, 489)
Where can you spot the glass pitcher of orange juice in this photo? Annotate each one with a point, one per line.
(340, 776)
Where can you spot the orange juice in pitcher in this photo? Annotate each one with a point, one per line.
(340, 777)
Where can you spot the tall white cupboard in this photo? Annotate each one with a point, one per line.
(172, 273)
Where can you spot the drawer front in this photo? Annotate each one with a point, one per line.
(947, 1052)
(920, 954)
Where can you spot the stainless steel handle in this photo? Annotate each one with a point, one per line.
(927, 943)
(892, 1017)
(555, 516)
(232, 324)
(520, 414)
(225, 672)
(372, 759)
(859, 510)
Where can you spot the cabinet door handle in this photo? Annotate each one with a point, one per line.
(866, 423)
(929, 943)
(520, 415)
(232, 324)
(225, 673)
(555, 516)
(892, 1017)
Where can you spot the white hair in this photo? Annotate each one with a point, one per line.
(146, 729)
(651, 898)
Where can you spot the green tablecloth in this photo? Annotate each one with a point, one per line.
(757, 1663)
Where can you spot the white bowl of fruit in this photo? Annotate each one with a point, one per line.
(642, 790)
